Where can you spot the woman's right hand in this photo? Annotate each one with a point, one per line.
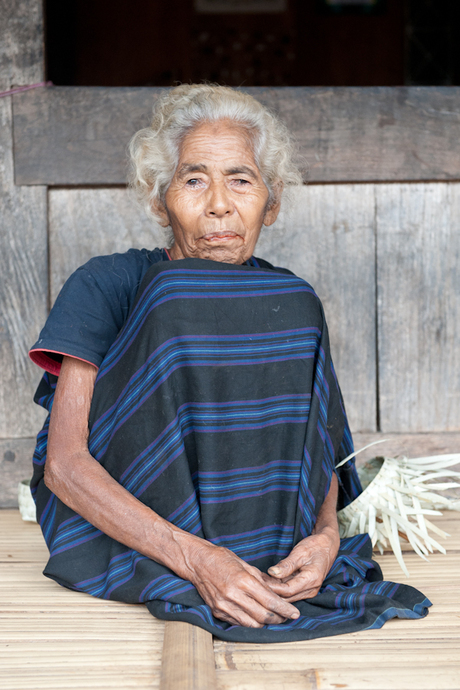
(236, 592)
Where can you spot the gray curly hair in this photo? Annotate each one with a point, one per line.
(155, 150)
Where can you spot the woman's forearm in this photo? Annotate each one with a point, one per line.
(86, 487)
(327, 516)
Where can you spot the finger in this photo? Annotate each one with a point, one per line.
(263, 613)
(306, 580)
(247, 592)
(278, 586)
(247, 612)
(297, 591)
(307, 594)
(256, 588)
(272, 603)
(237, 617)
(287, 566)
(270, 582)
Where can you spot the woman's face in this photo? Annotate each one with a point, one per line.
(216, 203)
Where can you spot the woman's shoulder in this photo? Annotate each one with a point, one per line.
(115, 276)
(92, 307)
(123, 267)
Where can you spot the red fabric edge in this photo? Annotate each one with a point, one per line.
(40, 358)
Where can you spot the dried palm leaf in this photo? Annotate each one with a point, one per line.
(398, 495)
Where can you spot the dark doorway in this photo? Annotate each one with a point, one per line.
(277, 43)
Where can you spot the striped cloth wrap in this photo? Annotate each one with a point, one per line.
(218, 407)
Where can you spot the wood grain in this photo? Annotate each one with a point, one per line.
(90, 222)
(409, 445)
(54, 639)
(326, 235)
(419, 306)
(21, 43)
(78, 135)
(349, 679)
(23, 237)
(23, 291)
(187, 659)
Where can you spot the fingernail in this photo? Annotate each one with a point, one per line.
(275, 571)
(295, 615)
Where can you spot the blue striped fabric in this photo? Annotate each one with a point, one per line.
(219, 408)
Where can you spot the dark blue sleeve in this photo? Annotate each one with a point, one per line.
(91, 308)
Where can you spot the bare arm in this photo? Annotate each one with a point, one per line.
(302, 573)
(235, 591)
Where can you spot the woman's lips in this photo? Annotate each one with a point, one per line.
(225, 235)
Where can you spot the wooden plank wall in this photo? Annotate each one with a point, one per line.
(23, 253)
(78, 135)
(379, 242)
(418, 259)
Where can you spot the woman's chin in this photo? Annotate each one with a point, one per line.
(224, 255)
(232, 251)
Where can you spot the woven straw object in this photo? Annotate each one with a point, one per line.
(399, 496)
(26, 502)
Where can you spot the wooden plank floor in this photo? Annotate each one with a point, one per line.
(53, 638)
(403, 655)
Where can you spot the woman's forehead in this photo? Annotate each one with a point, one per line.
(211, 142)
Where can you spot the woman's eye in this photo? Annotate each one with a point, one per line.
(193, 182)
(241, 182)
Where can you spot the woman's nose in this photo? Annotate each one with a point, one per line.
(218, 201)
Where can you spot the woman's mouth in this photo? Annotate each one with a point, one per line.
(220, 236)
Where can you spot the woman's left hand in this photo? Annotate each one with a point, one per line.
(301, 574)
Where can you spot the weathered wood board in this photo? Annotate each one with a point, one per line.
(418, 259)
(188, 658)
(325, 235)
(91, 222)
(55, 639)
(78, 135)
(408, 445)
(23, 237)
(86, 133)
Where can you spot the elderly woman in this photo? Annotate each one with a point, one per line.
(196, 421)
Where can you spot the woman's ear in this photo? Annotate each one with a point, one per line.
(160, 210)
(273, 208)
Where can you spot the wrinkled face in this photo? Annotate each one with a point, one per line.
(217, 201)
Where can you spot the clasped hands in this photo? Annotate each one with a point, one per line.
(242, 595)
